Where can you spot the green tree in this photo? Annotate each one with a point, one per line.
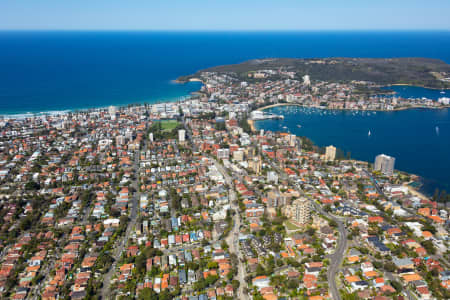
(147, 293)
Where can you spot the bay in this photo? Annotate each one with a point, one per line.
(44, 71)
(419, 139)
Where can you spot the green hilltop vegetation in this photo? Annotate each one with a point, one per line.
(424, 72)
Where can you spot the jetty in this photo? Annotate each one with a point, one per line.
(257, 115)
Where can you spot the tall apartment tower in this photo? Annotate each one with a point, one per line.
(120, 140)
(385, 164)
(255, 165)
(112, 110)
(181, 135)
(330, 153)
(272, 176)
(302, 210)
(292, 140)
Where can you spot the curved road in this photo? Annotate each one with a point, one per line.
(338, 255)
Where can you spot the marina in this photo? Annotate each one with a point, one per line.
(422, 146)
(258, 115)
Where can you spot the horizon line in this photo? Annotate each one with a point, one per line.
(224, 30)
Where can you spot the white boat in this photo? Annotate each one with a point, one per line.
(369, 133)
(442, 92)
(437, 130)
(299, 126)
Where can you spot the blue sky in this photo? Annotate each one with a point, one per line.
(224, 14)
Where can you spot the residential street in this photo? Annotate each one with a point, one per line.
(122, 242)
(233, 237)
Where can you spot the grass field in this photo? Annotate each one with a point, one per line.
(168, 125)
(291, 226)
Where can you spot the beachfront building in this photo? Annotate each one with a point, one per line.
(385, 164)
(330, 153)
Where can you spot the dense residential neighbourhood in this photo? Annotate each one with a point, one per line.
(186, 200)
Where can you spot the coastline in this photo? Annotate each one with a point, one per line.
(57, 112)
(183, 81)
(422, 86)
(349, 109)
(416, 191)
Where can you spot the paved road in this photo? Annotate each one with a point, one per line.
(338, 255)
(122, 242)
(233, 237)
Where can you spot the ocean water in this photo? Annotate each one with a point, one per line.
(43, 71)
(419, 139)
(54, 71)
(418, 92)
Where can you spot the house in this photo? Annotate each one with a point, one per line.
(353, 256)
(359, 285)
(261, 282)
(366, 266)
(423, 292)
(378, 282)
(403, 263)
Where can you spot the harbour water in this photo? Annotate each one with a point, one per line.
(418, 92)
(418, 138)
(54, 71)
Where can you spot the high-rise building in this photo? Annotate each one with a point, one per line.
(330, 153)
(120, 140)
(181, 135)
(385, 164)
(306, 80)
(255, 165)
(273, 198)
(129, 135)
(292, 138)
(112, 110)
(238, 155)
(223, 153)
(302, 210)
(272, 176)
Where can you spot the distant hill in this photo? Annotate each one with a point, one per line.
(383, 71)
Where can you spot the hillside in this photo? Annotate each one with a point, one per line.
(384, 71)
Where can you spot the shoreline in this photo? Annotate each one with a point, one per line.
(57, 112)
(349, 109)
(414, 191)
(414, 85)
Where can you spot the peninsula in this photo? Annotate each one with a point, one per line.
(426, 72)
(333, 83)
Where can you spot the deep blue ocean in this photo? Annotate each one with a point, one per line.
(42, 71)
(48, 71)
